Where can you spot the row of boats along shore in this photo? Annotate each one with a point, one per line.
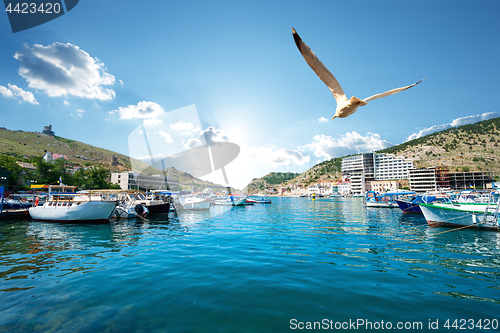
(469, 208)
(64, 203)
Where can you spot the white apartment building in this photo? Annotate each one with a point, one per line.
(389, 166)
(377, 166)
(133, 180)
(372, 166)
(320, 188)
(358, 184)
(344, 188)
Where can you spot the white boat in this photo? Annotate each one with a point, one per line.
(67, 206)
(385, 200)
(194, 203)
(129, 211)
(156, 203)
(475, 215)
(232, 201)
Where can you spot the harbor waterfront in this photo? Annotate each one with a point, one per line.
(258, 268)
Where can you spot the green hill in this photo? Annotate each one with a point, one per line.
(26, 145)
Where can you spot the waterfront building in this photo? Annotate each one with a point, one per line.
(473, 179)
(389, 166)
(135, 180)
(382, 186)
(344, 188)
(432, 179)
(423, 180)
(369, 167)
(358, 183)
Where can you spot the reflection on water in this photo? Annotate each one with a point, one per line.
(256, 266)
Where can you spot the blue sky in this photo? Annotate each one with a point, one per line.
(100, 71)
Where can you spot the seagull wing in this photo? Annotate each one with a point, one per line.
(320, 69)
(390, 92)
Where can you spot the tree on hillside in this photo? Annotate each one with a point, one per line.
(10, 163)
(93, 177)
(51, 172)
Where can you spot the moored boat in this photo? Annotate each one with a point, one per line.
(65, 205)
(411, 205)
(128, 211)
(474, 215)
(194, 203)
(259, 201)
(232, 201)
(385, 200)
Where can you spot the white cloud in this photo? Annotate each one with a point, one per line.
(14, 91)
(328, 147)
(64, 69)
(185, 126)
(65, 102)
(457, 122)
(322, 120)
(80, 112)
(208, 135)
(166, 136)
(143, 110)
(281, 157)
(152, 121)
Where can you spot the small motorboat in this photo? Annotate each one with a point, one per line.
(232, 201)
(128, 211)
(194, 203)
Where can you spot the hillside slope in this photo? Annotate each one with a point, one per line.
(25, 145)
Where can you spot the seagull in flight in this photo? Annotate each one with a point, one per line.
(345, 107)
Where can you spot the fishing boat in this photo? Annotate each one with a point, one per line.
(16, 202)
(189, 202)
(385, 200)
(127, 211)
(232, 201)
(259, 201)
(411, 204)
(64, 205)
(155, 203)
(455, 214)
(8, 213)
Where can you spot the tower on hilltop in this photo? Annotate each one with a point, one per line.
(47, 130)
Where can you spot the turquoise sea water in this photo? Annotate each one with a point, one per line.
(261, 268)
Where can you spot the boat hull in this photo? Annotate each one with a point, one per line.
(85, 211)
(201, 205)
(408, 207)
(161, 208)
(234, 202)
(130, 212)
(381, 204)
(452, 217)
